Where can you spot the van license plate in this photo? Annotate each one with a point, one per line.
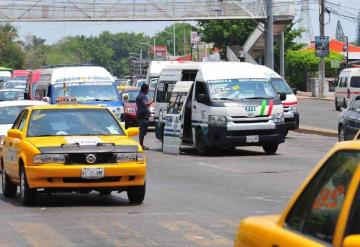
(92, 173)
(252, 139)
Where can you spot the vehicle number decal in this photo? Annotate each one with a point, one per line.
(83, 140)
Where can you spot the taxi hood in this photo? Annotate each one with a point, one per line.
(98, 142)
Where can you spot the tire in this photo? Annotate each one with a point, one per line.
(201, 147)
(270, 148)
(105, 192)
(9, 189)
(136, 194)
(337, 107)
(27, 195)
(341, 134)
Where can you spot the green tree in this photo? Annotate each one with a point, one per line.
(182, 38)
(11, 53)
(35, 52)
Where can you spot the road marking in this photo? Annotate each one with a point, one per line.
(196, 233)
(217, 167)
(41, 235)
(135, 234)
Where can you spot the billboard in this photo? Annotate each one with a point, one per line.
(159, 52)
(322, 46)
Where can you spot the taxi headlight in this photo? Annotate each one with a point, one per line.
(49, 158)
(217, 120)
(278, 118)
(129, 157)
(293, 109)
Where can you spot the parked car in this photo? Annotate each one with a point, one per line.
(347, 88)
(349, 121)
(129, 99)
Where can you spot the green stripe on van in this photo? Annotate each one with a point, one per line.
(263, 105)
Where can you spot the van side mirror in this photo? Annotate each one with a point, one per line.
(15, 133)
(282, 96)
(352, 241)
(203, 99)
(294, 90)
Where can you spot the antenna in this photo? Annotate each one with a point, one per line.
(305, 23)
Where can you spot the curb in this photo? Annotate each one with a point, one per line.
(314, 98)
(316, 131)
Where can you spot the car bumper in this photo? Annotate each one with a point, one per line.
(292, 120)
(221, 136)
(69, 176)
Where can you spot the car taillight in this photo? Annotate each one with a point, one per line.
(348, 93)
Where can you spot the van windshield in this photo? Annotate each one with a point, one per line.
(239, 89)
(87, 91)
(281, 86)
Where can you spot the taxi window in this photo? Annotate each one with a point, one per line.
(23, 120)
(354, 217)
(317, 210)
(69, 122)
(18, 119)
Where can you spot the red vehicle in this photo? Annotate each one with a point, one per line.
(31, 84)
(21, 75)
(129, 100)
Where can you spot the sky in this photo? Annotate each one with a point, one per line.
(53, 32)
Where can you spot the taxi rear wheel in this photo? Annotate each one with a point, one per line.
(27, 195)
(270, 148)
(136, 194)
(9, 189)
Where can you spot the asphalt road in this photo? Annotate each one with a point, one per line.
(190, 201)
(318, 113)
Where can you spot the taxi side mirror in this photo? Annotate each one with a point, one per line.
(282, 96)
(132, 131)
(352, 241)
(14, 133)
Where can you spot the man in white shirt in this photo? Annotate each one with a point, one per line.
(242, 55)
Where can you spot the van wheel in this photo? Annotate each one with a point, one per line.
(270, 148)
(337, 107)
(9, 189)
(27, 195)
(136, 194)
(201, 147)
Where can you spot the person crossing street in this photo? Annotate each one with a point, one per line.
(143, 113)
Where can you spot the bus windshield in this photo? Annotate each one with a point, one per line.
(240, 89)
(87, 91)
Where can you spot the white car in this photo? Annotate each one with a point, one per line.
(9, 111)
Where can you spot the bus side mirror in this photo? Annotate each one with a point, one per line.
(282, 96)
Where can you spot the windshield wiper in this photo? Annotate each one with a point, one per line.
(222, 98)
(258, 98)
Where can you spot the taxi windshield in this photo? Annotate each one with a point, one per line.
(240, 89)
(281, 86)
(8, 114)
(11, 95)
(87, 91)
(69, 122)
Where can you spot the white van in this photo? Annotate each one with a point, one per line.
(347, 88)
(154, 70)
(291, 114)
(216, 105)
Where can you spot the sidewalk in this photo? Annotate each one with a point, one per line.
(308, 95)
(316, 131)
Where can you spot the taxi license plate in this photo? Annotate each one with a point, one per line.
(92, 173)
(252, 139)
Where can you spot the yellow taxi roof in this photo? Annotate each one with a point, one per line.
(65, 106)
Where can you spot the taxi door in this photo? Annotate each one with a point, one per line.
(174, 118)
(11, 147)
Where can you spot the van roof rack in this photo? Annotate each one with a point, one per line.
(65, 65)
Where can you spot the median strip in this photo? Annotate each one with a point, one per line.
(316, 131)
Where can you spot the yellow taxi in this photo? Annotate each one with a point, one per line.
(71, 147)
(324, 212)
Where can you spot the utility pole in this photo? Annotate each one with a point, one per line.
(154, 48)
(322, 59)
(269, 48)
(174, 40)
(346, 49)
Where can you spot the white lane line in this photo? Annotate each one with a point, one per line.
(217, 167)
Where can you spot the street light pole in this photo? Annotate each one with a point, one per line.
(322, 59)
(174, 40)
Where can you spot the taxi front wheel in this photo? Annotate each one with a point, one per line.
(27, 195)
(9, 189)
(136, 194)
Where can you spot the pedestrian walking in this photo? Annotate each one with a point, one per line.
(143, 113)
(242, 55)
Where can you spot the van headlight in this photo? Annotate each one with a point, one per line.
(49, 158)
(129, 157)
(217, 120)
(278, 118)
(292, 109)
